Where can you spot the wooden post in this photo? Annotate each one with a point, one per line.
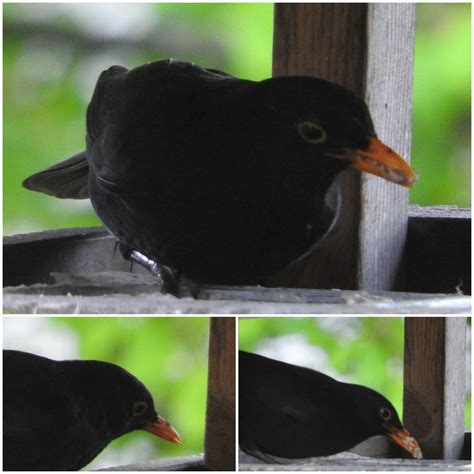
(384, 207)
(367, 48)
(434, 384)
(219, 451)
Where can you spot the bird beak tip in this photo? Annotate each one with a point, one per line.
(380, 160)
(404, 439)
(164, 430)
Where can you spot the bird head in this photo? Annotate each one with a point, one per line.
(377, 416)
(330, 126)
(142, 413)
(120, 402)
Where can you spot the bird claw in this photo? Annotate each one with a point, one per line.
(167, 277)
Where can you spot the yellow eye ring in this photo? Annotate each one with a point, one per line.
(139, 408)
(385, 414)
(312, 132)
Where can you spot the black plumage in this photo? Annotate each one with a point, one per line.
(220, 179)
(59, 415)
(294, 412)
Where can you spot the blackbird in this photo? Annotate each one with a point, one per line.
(295, 412)
(219, 179)
(59, 415)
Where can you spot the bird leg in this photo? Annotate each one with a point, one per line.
(167, 277)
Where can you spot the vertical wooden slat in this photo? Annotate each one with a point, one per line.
(219, 451)
(360, 46)
(434, 384)
(384, 209)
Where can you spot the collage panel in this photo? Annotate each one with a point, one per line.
(236, 237)
(354, 393)
(118, 393)
(236, 158)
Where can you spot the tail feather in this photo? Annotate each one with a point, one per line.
(67, 179)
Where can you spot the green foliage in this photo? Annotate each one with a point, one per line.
(366, 350)
(169, 355)
(51, 62)
(442, 104)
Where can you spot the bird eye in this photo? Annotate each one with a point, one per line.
(385, 414)
(139, 408)
(312, 132)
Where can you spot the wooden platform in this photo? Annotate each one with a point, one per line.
(186, 463)
(363, 464)
(352, 462)
(77, 271)
(109, 293)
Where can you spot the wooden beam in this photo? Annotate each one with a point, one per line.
(434, 384)
(388, 92)
(367, 48)
(219, 450)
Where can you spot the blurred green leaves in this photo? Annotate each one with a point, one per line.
(53, 53)
(442, 104)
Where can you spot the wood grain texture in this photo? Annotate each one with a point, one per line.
(219, 451)
(383, 217)
(434, 384)
(54, 299)
(321, 39)
(438, 212)
(368, 49)
(364, 465)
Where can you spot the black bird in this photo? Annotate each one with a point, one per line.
(220, 179)
(59, 415)
(294, 412)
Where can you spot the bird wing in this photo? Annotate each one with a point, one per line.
(69, 178)
(282, 407)
(141, 126)
(66, 179)
(281, 391)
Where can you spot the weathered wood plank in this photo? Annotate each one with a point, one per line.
(383, 218)
(378, 453)
(434, 384)
(219, 451)
(31, 258)
(42, 299)
(363, 465)
(349, 461)
(185, 463)
(369, 49)
(425, 213)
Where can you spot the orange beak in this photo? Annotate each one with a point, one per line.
(380, 160)
(405, 440)
(164, 430)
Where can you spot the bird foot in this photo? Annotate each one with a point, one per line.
(167, 277)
